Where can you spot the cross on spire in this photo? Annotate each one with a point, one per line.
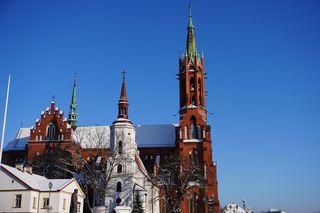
(123, 104)
(53, 97)
(191, 42)
(190, 14)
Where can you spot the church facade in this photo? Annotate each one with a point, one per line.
(143, 146)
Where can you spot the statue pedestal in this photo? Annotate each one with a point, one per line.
(123, 209)
(100, 209)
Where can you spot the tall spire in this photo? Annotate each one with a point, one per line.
(123, 101)
(191, 42)
(73, 116)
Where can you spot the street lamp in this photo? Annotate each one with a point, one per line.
(50, 187)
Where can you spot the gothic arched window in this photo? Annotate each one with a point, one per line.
(196, 203)
(193, 100)
(191, 205)
(199, 131)
(120, 147)
(119, 187)
(51, 131)
(193, 131)
(191, 83)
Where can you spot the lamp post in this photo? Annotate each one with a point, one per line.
(50, 187)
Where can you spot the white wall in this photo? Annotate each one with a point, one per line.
(10, 187)
(7, 199)
(8, 183)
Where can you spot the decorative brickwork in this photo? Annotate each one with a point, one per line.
(50, 131)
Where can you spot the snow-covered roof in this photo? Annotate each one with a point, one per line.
(20, 141)
(235, 208)
(34, 181)
(147, 136)
(158, 135)
(92, 136)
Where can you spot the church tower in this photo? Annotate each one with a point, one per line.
(193, 134)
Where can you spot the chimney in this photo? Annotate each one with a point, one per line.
(29, 169)
(19, 166)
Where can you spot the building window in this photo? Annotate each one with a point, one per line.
(119, 168)
(45, 202)
(193, 131)
(17, 201)
(191, 83)
(51, 131)
(180, 133)
(64, 206)
(120, 147)
(119, 187)
(199, 131)
(34, 203)
(196, 203)
(190, 205)
(185, 132)
(193, 102)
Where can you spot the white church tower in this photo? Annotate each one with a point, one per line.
(129, 176)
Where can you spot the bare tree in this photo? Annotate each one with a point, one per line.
(176, 177)
(92, 163)
(47, 163)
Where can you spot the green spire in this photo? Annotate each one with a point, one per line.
(191, 42)
(73, 116)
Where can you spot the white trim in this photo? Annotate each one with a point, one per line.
(192, 140)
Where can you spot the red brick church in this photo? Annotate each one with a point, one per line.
(155, 142)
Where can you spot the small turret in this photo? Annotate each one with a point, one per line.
(73, 116)
(123, 104)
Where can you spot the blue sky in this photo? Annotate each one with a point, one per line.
(263, 64)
